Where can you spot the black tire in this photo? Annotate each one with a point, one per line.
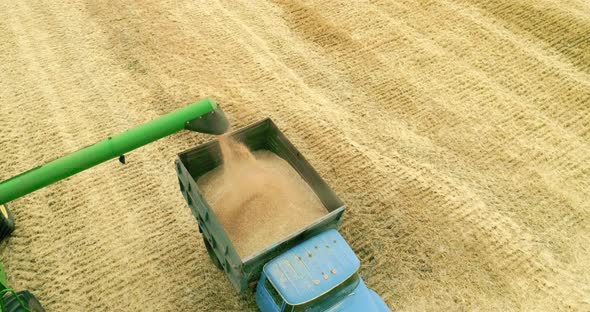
(11, 304)
(6, 222)
(212, 255)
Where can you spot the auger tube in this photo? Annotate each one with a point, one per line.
(112, 147)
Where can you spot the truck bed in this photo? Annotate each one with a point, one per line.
(193, 163)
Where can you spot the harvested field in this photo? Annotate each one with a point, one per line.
(457, 132)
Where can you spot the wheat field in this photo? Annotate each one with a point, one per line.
(457, 132)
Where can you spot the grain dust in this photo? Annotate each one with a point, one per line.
(258, 197)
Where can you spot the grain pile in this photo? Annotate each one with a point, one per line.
(258, 197)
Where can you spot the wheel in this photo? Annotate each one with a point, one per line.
(212, 255)
(6, 222)
(11, 304)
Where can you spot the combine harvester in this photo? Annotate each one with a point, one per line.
(321, 279)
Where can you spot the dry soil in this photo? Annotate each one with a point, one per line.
(456, 131)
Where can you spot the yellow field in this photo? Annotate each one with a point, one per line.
(458, 133)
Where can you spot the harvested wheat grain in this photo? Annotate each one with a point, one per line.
(258, 197)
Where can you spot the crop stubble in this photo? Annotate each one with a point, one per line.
(455, 131)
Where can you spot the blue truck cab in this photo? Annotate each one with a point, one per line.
(320, 274)
(312, 269)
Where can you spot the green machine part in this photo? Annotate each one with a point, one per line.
(3, 278)
(203, 116)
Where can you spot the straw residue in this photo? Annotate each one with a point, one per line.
(258, 197)
(457, 133)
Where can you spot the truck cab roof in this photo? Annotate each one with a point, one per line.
(312, 268)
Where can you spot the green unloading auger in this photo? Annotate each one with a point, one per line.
(204, 116)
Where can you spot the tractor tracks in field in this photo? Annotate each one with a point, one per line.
(370, 113)
(456, 135)
(97, 232)
(371, 76)
(42, 105)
